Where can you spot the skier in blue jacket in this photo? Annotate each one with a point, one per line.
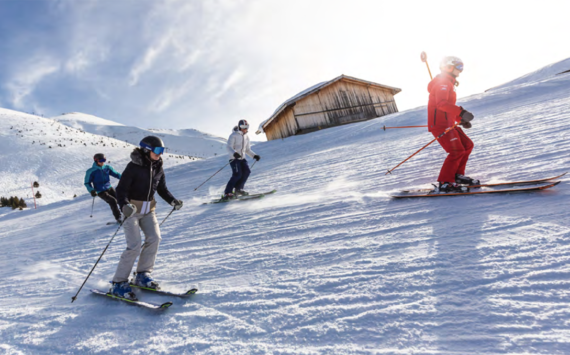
(98, 183)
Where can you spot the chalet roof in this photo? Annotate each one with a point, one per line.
(318, 87)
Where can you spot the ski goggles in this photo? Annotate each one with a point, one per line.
(102, 160)
(155, 150)
(242, 124)
(459, 66)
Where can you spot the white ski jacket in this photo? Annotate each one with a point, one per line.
(239, 143)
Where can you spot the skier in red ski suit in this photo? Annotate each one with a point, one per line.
(443, 114)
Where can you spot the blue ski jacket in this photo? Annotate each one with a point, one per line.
(97, 178)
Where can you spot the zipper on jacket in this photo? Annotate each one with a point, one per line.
(150, 183)
(434, 116)
(242, 145)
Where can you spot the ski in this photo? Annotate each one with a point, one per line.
(508, 183)
(434, 193)
(133, 302)
(190, 292)
(518, 183)
(111, 223)
(242, 198)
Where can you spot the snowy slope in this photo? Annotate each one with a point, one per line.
(189, 142)
(330, 264)
(545, 73)
(34, 148)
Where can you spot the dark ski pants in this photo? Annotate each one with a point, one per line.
(459, 147)
(240, 173)
(110, 197)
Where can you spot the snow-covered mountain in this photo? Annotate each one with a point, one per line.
(330, 264)
(188, 142)
(39, 149)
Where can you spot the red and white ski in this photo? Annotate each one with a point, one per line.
(508, 183)
(483, 190)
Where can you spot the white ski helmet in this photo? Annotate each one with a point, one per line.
(242, 124)
(451, 61)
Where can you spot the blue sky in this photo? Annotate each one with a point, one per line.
(207, 64)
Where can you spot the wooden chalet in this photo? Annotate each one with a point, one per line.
(331, 103)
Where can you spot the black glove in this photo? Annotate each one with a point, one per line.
(177, 204)
(236, 155)
(466, 125)
(466, 116)
(256, 157)
(93, 193)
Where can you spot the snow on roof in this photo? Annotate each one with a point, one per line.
(315, 88)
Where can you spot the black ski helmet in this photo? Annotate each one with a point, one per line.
(149, 143)
(99, 157)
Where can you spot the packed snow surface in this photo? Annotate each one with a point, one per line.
(330, 264)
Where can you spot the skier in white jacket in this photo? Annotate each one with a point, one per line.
(238, 146)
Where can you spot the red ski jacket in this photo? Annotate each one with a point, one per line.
(442, 111)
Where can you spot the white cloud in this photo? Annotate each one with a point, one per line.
(77, 63)
(231, 81)
(149, 58)
(26, 79)
(80, 61)
(169, 96)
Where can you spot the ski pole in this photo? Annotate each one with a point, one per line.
(424, 59)
(385, 128)
(75, 297)
(436, 138)
(166, 217)
(213, 175)
(92, 205)
(252, 165)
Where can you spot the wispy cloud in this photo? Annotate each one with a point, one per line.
(82, 59)
(232, 80)
(169, 96)
(27, 77)
(149, 58)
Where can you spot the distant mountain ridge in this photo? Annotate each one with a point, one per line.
(544, 73)
(189, 142)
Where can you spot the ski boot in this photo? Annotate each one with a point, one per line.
(143, 279)
(446, 187)
(228, 196)
(241, 193)
(466, 180)
(123, 290)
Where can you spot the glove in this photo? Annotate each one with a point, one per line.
(237, 155)
(466, 125)
(256, 157)
(466, 116)
(129, 210)
(93, 193)
(177, 204)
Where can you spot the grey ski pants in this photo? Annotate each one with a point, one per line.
(147, 251)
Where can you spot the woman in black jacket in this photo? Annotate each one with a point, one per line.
(142, 177)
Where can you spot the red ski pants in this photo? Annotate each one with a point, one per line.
(458, 146)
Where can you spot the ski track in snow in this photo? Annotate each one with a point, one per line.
(329, 264)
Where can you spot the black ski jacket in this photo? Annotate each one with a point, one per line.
(141, 179)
